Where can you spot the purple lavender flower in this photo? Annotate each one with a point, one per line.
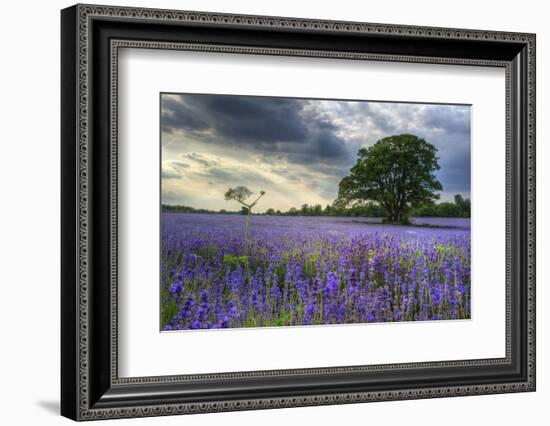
(304, 270)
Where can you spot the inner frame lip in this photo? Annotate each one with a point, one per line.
(116, 44)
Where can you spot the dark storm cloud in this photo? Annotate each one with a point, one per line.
(178, 115)
(329, 145)
(253, 120)
(270, 125)
(241, 118)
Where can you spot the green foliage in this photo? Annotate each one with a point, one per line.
(369, 209)
(239, 194)
(310, 265)
(397, 172)
(187, 209)
(404, 220)
(460, 208)
(229, 259)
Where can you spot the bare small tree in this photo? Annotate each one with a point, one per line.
(241, 194)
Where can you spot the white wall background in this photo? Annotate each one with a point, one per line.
(29, 225)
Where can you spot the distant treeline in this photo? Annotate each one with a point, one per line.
(459, 208)
(188, 209)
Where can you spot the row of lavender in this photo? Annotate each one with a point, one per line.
(310, 271)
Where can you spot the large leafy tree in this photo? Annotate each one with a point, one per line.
(397, 172)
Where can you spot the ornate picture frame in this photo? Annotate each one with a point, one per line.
(91, 38)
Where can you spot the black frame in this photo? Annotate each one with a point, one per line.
(91, 37)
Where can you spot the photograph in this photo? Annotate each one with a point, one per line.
(279, 211)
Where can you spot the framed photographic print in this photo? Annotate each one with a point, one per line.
(263, 212)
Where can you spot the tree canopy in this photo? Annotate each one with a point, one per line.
(397, 172)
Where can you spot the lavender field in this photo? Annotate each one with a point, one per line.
(311, 270)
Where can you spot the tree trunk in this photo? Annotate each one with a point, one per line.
(391, 212)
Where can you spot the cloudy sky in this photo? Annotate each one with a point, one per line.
(297, 150)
